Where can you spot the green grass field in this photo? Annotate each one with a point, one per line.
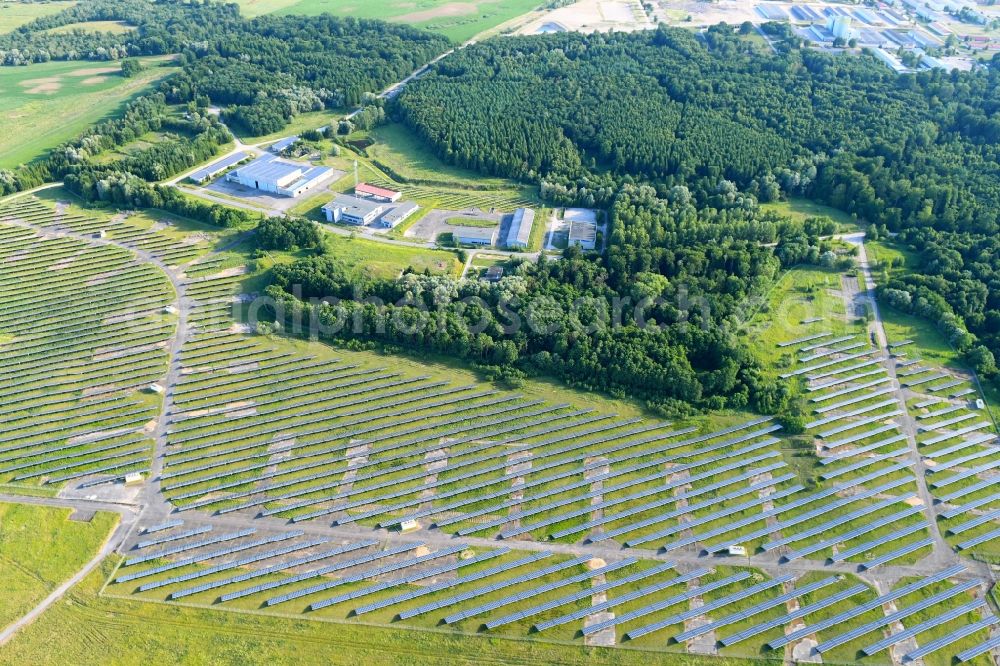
(800, 209)
(45, 104)
(16, 14)
(114, 27)
(458, 20)
(40, 547)
(85, 628)
(397, 148)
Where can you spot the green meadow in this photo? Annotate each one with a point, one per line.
(40, 547)
(459, 20)
(15, 14)
(45, 104)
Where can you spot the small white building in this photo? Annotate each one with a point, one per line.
(346, 209)
(398, 214)
(366, 191)
(484, 236)
(279, 146)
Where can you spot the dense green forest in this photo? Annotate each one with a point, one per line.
(585, 115)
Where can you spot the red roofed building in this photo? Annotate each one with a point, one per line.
(378, 193)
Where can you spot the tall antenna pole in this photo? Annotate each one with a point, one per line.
(355, 174)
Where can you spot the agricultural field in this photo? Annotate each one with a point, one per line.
(40, 547)
(15, 14)
(459, 20)
(44, 104)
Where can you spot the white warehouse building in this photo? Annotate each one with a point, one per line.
(275, 175)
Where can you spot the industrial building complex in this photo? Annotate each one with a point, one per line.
(276, 175)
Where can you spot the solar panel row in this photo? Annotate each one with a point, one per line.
(315, 573)
(623, 599)
(274, 568)
(898, 615)
(897, 553)
(708, 607)
(192, 545)
(493, 587)
(665, 603)
(207, 556)
(443, 585)
(585, 593)
(802, 611)
(368, 573)
(411, 577)
(936, 621)
(839, 618)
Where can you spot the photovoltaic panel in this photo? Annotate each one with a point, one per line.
(443, 585)
(982, 538)
(936, 621)
(869, 627)
(624, 598)
(368, 573)
(861, 422)
(756, 609)
(275, 568)
(493, 587)
(406, 579)
(163, 526)
(707, 607)
(899, 552)
(663, 501)
(982, 648)
(850, 378)
(849, 389)
(865, 528)
(666, 603)
(183, 578)
(953, 637)
(865, 607)
(174, 537)
(207, 556)
(527, 594)
(848, 553)
(975, 504)
(586, 593)
(864, 462)
(189, 546)
(802, 611)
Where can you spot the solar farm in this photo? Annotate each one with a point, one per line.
(310, 481)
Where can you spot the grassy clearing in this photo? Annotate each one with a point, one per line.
(374, 258)
(45, 104)
(800, 209)
(458, 20)
(802, 293)
(114, 27)
(397, 148)
(15, 14)
(41, 547)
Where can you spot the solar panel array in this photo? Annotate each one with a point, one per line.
(82, 323)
